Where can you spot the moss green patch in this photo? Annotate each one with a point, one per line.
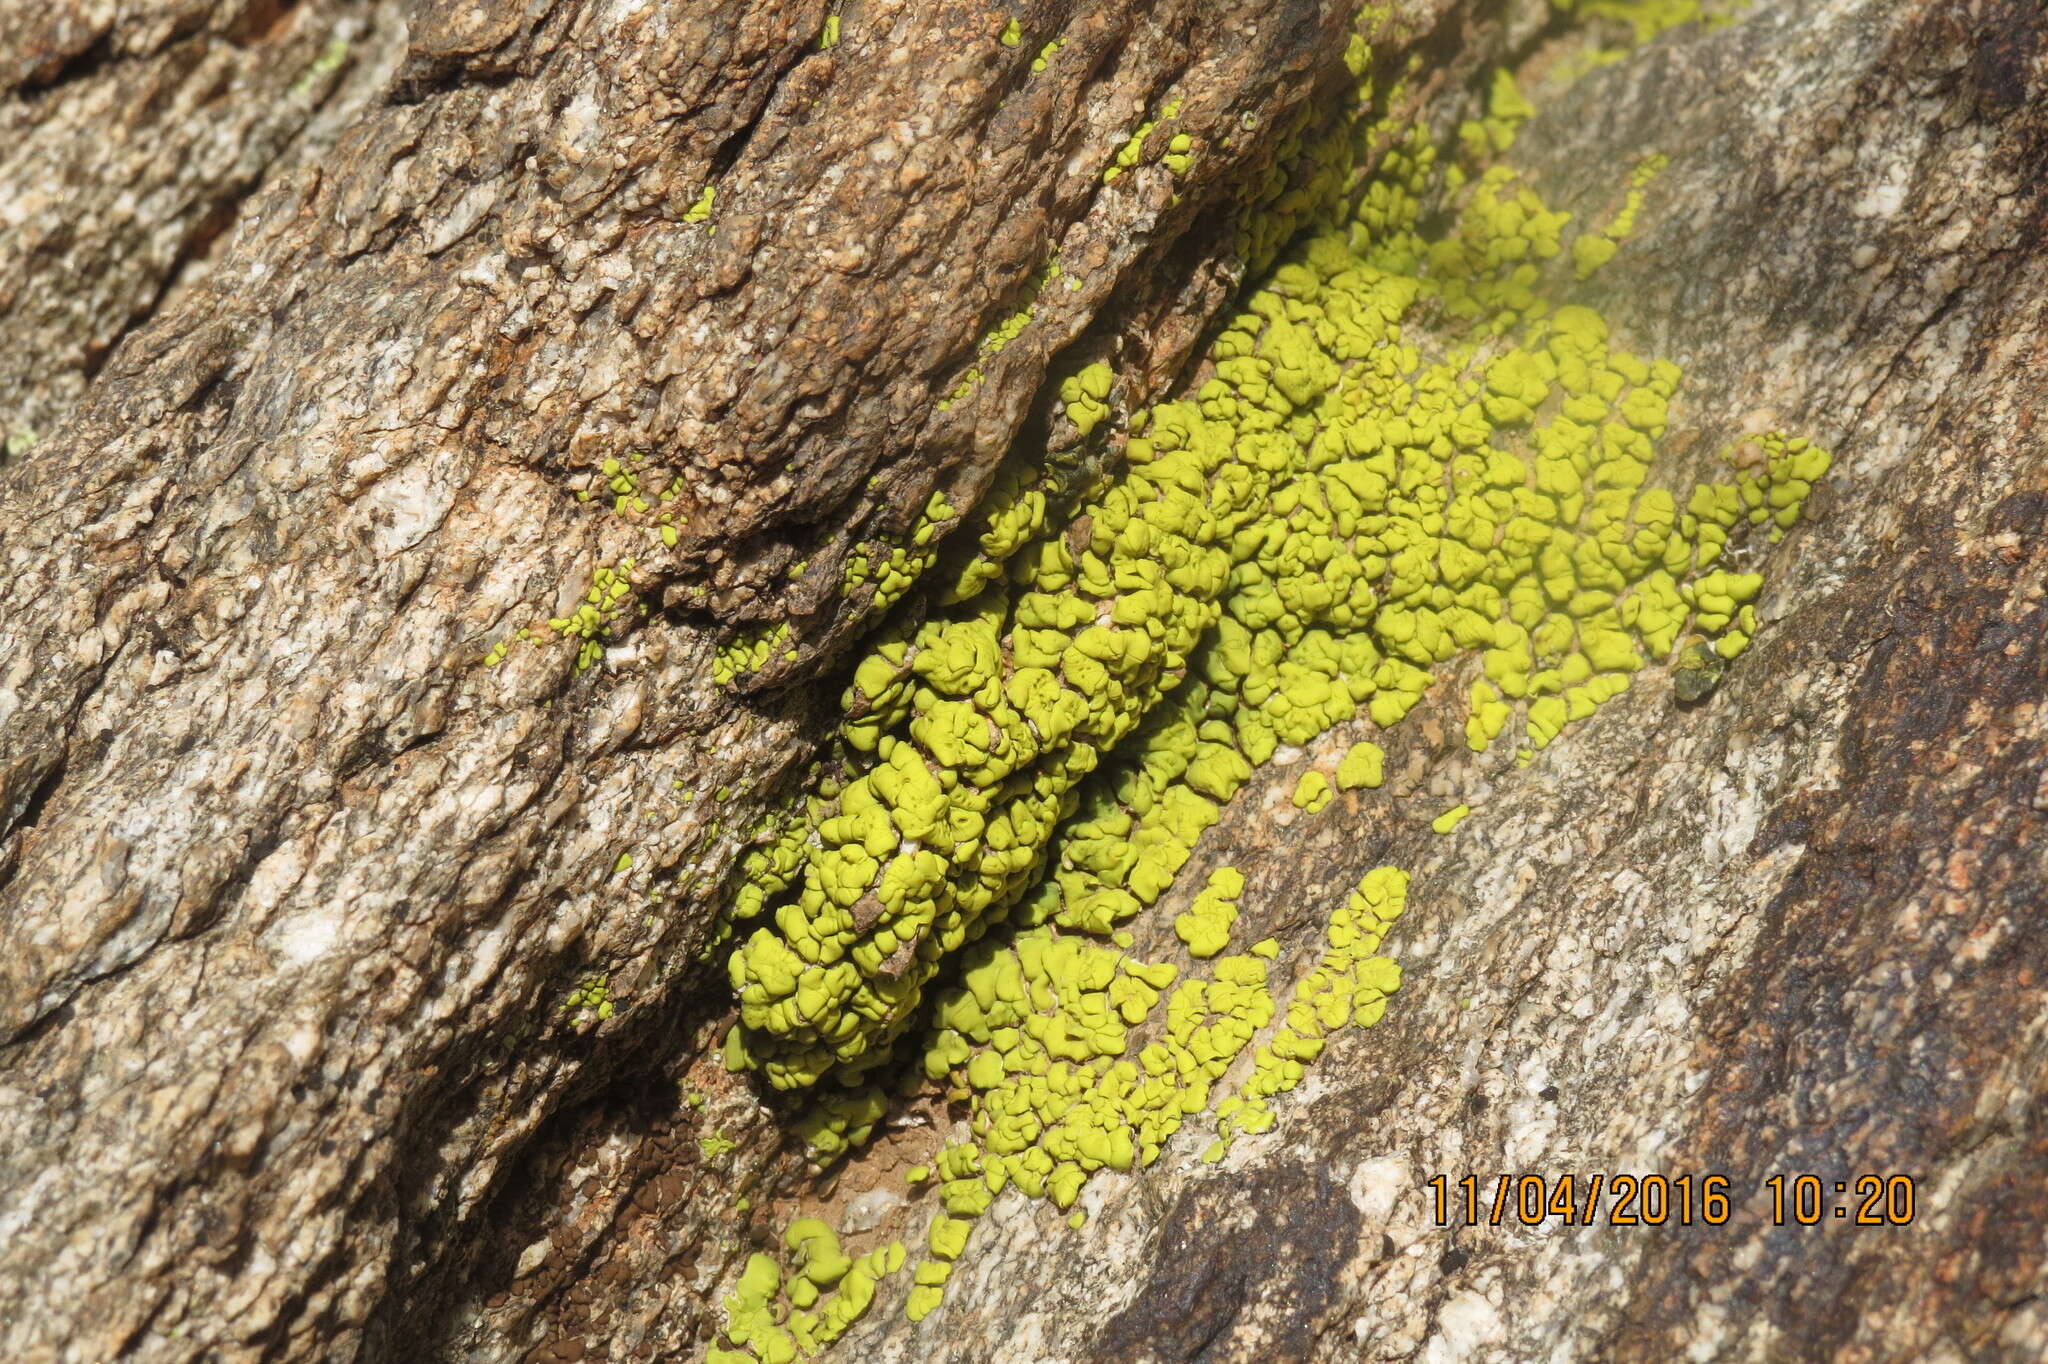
(1698, 671)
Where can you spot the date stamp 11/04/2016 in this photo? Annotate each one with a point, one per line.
(1623, 1200)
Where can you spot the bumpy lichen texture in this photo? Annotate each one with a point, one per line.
(593, 995)
(610, 593)
(1647, 18)
(1327, 526)
(774, 1315)
(1133, 149)
(1001, 335)
(895, 569)
(1363, 765)
(1332, 517)
(1068, 1069)
(1206, 925)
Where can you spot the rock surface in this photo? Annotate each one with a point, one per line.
(293, 889)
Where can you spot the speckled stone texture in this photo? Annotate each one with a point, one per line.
(292, 890)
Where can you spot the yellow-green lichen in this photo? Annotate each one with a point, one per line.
(1086, 396)
(609, 595)
(1329, 519)
(1205, 927)
(748, 653)
(592, 998)
(503, 648)
(895, 572)
(1593, 249)
(1489, 716)
(1133, 149)
(1000, 336)
(700, 210)
(1338, 515)
(633, 497)
(776, 1317)
(840, 1122)
(1070, 1070)
(1363, 765)
(330, 60)
(1348, 985)
(1647, 19)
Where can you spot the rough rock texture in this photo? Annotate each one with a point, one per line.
(132, 134)
(1793, 929)
(294, 886)
(293, 889)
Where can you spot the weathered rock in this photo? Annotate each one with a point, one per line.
(294, 888)
(133, 133)
(1793, 930)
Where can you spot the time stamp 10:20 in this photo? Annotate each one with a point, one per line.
(1660, 1200)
